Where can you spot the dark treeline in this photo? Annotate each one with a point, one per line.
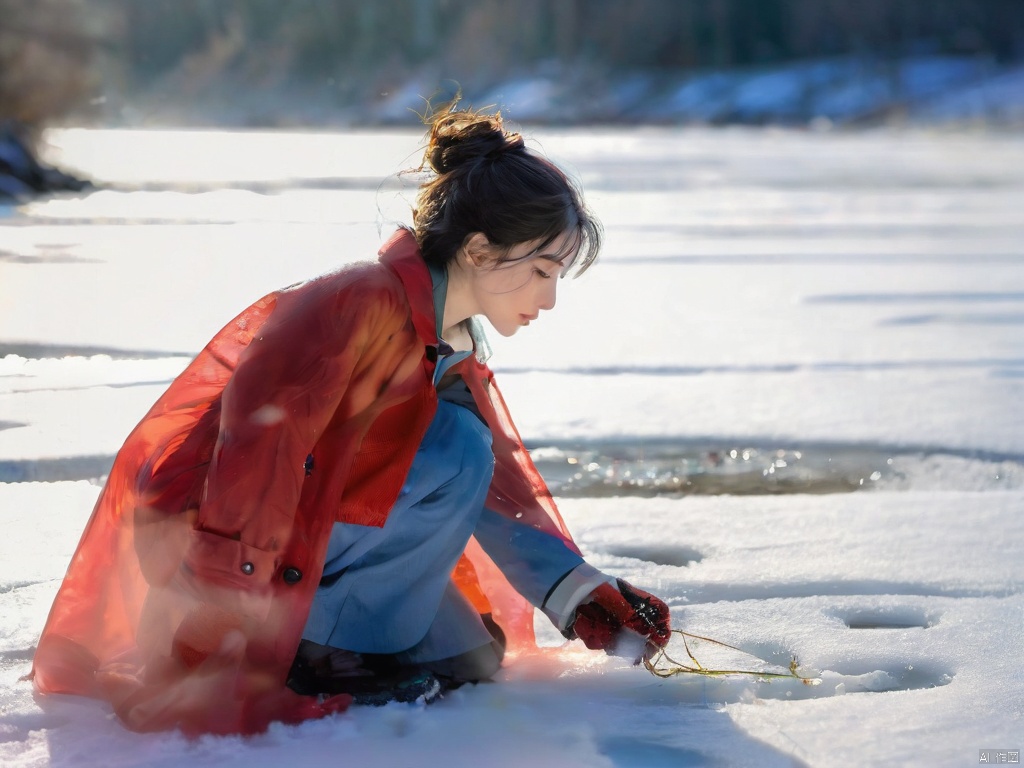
(481, 36)
(61, 55)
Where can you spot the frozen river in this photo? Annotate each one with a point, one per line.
(827, 328)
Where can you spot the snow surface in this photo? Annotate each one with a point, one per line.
(813, 292)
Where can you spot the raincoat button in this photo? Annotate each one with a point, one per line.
(248, 568)
(292, 576)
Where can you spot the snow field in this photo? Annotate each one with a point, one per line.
(802, 291)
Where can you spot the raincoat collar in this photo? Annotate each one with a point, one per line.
(402, 255)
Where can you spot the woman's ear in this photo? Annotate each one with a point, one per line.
(476, 247)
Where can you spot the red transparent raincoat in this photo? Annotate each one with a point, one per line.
(186, 599)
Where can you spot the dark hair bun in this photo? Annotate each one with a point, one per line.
(461, 138)
(480, 178)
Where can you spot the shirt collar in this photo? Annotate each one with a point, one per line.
(439, 280)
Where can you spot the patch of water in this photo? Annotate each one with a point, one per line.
(666, 468)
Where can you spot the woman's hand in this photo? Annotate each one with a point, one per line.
(622, 620)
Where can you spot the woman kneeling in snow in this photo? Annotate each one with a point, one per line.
(331, 502)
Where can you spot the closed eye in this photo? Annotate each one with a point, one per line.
(542, 273)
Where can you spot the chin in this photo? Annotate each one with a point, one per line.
(505, 326)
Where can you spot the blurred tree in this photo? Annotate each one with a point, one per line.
(49, 51)
(499, 35)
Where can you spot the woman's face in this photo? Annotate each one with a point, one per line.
(512, 294)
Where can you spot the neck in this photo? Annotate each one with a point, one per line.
(459, 305)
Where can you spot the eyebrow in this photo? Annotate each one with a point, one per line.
(569, 250)
(554, 258)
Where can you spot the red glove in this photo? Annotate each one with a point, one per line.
(602, 620)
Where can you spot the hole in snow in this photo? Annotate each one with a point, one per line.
(658, 554)
(900, 617)
(866, 677)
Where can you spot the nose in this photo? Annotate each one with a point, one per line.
(547, 294)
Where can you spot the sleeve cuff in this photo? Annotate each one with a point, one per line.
(571, 591)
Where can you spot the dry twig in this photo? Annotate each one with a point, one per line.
(663, 665)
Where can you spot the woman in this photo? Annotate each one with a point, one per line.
(331, 501)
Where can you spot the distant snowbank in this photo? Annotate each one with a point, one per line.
(821, 93)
